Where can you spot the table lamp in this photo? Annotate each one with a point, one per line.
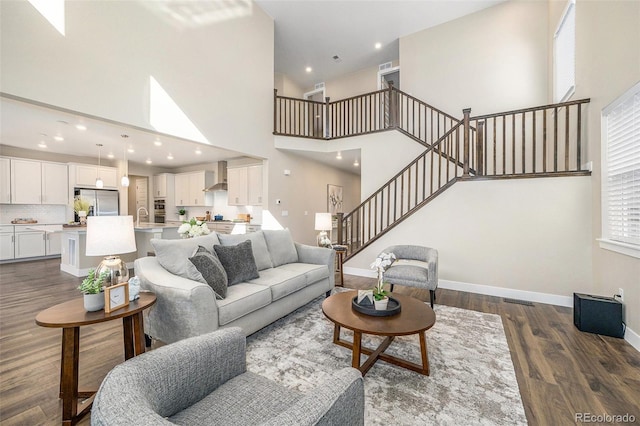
(110, 236)
(323, 224)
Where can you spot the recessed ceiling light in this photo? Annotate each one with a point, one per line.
(42, 145)
(110, 155)
(170, 157)
(378, 45)
(131, 150)
(339, 156)
(356, 163)
(308, 69)
(198, 152)
(157, 143)
(58, 138)
(148, 161)
(81, 127)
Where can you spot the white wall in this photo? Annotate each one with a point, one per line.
(607, 64)
(494, 60)
(530, 234)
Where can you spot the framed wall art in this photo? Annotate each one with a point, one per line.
(334, 199)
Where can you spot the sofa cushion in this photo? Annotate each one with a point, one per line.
(281, 246)
(205, 267)
(282, 282)
(242, 299)
(312, 272)
(247, 399)
(258, 244)
(174, 255)
(238, 261)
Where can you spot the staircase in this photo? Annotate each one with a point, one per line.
(543, 141)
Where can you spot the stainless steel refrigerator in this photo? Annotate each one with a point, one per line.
(104, 202)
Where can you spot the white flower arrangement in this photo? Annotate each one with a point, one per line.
(382, 262)
(193, 228)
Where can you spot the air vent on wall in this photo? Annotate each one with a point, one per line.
(337, 58)
(385, 66)
(319, 86)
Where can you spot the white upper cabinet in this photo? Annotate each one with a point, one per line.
(5, 181)
(245, 185)
(85, 175)
(55, 183)
(26, 181)
(189, 186)
(160, 185)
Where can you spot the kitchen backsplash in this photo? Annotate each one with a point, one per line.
(221, 207)
(40, 212)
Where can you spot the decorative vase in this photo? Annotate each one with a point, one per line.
(83, 217)
(182, 217)
(381, 305)
(94, 302)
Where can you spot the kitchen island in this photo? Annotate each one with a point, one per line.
(74, 243)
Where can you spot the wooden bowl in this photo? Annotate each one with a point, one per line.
(200, 217)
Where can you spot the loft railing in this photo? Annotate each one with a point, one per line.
(372, 112)
(544, 140)
(533, 142)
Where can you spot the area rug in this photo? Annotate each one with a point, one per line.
(472, 379)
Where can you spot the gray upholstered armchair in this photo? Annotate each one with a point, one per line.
(416, 266)
(203, 381)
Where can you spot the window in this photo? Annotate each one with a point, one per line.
(564, 55)
(621, 174)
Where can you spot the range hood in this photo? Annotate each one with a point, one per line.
(221, 178)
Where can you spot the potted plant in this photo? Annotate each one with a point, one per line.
(91, 287)
(81, 206)
(182, 215)
(380, 295)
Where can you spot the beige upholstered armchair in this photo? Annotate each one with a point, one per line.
(416, 266)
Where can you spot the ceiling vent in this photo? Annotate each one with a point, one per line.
(385, 66)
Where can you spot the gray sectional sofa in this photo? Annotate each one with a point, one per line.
(289, 275)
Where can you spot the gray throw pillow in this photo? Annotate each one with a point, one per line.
(281, 246)
(258, 245)
(204, 266)
(238, 262)
(173, 255)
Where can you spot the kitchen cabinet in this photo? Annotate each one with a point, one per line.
(5, 181)
(245, 185)
(26, 181)
(6, 243)
(55, 183)
(162, 184)
(189, 186)
(29, 243)
(85, 175)
(53, 240)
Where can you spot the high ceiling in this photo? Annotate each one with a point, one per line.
(309, 33)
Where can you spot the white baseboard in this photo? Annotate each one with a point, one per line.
(630, 336)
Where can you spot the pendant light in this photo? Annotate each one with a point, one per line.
(125, 179)
(99, 182)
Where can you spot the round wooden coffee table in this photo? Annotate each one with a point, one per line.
(70, 316)
(415, 317)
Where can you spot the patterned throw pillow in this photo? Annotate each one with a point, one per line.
(238, 262)
(206, 267)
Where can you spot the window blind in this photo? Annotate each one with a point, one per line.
(564, 54)
(621, 169)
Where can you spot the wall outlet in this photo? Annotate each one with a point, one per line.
(621, 294)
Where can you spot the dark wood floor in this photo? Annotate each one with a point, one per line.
(560, 370)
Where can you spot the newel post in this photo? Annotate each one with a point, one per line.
(480, 149)
(340, 236)
(465, 152)
(327, 130)
(275, 110)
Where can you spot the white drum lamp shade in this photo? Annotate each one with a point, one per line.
(323, 224)
(110, 236)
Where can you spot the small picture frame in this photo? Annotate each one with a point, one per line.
(116, 297)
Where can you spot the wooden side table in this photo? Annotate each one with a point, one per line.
(70, 316)
(340, 252)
